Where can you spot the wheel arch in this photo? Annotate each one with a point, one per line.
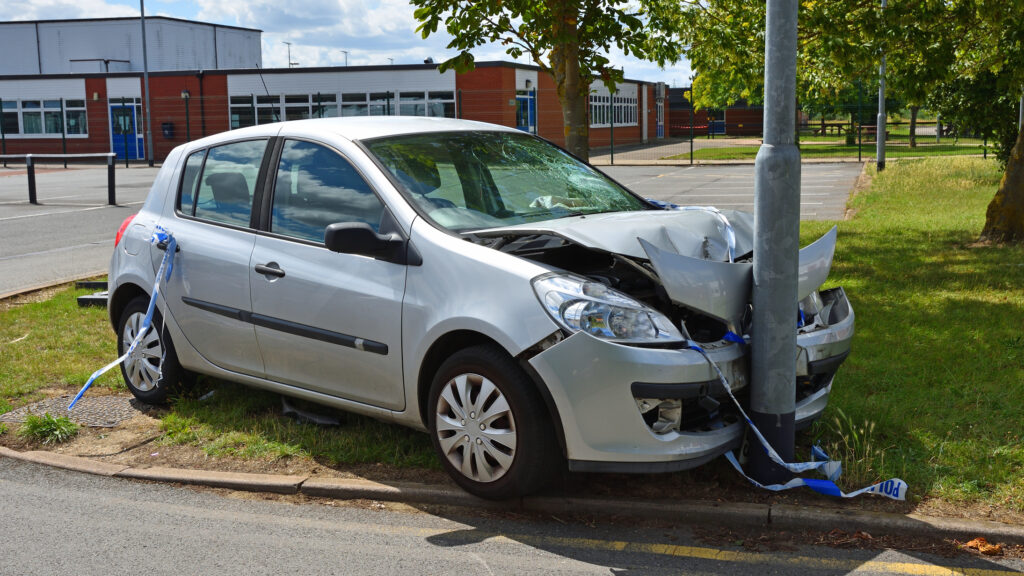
(117, 301)
(456, 340)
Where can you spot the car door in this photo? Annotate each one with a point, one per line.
(208, 292)
(325, 321)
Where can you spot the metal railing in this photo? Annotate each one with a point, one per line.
(30, 169)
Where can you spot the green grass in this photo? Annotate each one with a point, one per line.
(48, 429)
(835, 151)
(247, 423)
(938, 360)
(52, 344)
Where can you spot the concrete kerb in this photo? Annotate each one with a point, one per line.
(737, 514)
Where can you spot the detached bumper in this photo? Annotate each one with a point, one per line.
(601, 391)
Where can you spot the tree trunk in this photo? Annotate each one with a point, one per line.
(913, 126)
(1004, 221)
(572, 89)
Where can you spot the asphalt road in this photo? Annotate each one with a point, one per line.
(70, 233)
(59, 522)
(824, 188)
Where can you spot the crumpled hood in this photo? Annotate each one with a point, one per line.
(696, 234)
(689, 249)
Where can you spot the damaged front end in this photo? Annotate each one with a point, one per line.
(629, 292)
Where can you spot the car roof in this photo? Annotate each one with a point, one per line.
(356, 128)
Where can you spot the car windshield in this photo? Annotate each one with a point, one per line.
(473, 180)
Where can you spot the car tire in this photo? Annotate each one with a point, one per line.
(153, 370)
(489, 425)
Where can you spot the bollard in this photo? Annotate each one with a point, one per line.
(111, 197)
(31, 169)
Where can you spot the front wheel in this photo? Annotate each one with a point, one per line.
(489, 425)
(152, 370)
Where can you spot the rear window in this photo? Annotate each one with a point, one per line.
(224, 190)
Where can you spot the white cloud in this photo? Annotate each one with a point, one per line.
(63, 9)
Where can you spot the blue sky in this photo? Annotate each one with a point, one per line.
(371, 31)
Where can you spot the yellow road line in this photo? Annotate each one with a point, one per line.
(736, 557)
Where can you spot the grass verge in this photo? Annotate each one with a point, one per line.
(938, 361)
(835, 151)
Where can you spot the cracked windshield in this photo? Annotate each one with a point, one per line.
(473, 180)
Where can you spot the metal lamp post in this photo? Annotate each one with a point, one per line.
(145, 81)
(345, 52)
(880, 127)
(776, 244)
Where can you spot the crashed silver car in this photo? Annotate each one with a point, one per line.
(469, 280)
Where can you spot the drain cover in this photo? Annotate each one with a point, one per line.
(95, 411)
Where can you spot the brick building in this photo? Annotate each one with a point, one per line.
(213, 81)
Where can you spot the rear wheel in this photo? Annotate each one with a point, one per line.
(489, 426)
(152, 370)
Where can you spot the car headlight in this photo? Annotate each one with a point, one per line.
(578, 304)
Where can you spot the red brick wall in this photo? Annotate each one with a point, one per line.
(549, 110)
(169, 107)
(486, 93)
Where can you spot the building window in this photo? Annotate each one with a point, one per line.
(253, 109)
(44, 118)
(10, 124)
(441, 104)
(605, 109)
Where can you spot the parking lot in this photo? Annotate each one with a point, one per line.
(70, 233)
(824, 188)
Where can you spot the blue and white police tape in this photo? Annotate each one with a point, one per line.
(831, 469)
(160, 235)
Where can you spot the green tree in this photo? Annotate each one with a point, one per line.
(991, 40)
(926, 42)
(569, 39)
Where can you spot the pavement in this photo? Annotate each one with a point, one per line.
(69, 234)
(695, 512)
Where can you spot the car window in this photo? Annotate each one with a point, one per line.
(472, 180)
(228, 182)
(188, 182)
(316, 187)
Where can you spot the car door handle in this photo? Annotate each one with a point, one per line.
(162, 245)
(270, 269)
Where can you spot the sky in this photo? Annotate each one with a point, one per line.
(371, 31)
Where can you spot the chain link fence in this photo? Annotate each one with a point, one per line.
(632, 126)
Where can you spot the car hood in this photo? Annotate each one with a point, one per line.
(689, 249)
(694, 233)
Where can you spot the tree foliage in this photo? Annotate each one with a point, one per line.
(569, 39)
(928, 44)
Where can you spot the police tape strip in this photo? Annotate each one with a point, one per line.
(160, 235)
(831, 469)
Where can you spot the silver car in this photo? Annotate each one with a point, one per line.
(465, 279)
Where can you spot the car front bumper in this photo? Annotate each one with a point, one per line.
(600, 388)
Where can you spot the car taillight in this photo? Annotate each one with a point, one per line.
(120, 231)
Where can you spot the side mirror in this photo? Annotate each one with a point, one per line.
(359, 238)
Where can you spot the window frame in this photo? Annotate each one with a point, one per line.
(259, 186)
(43, 112)
(270, 189)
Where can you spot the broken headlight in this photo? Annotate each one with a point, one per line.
(579, 304)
